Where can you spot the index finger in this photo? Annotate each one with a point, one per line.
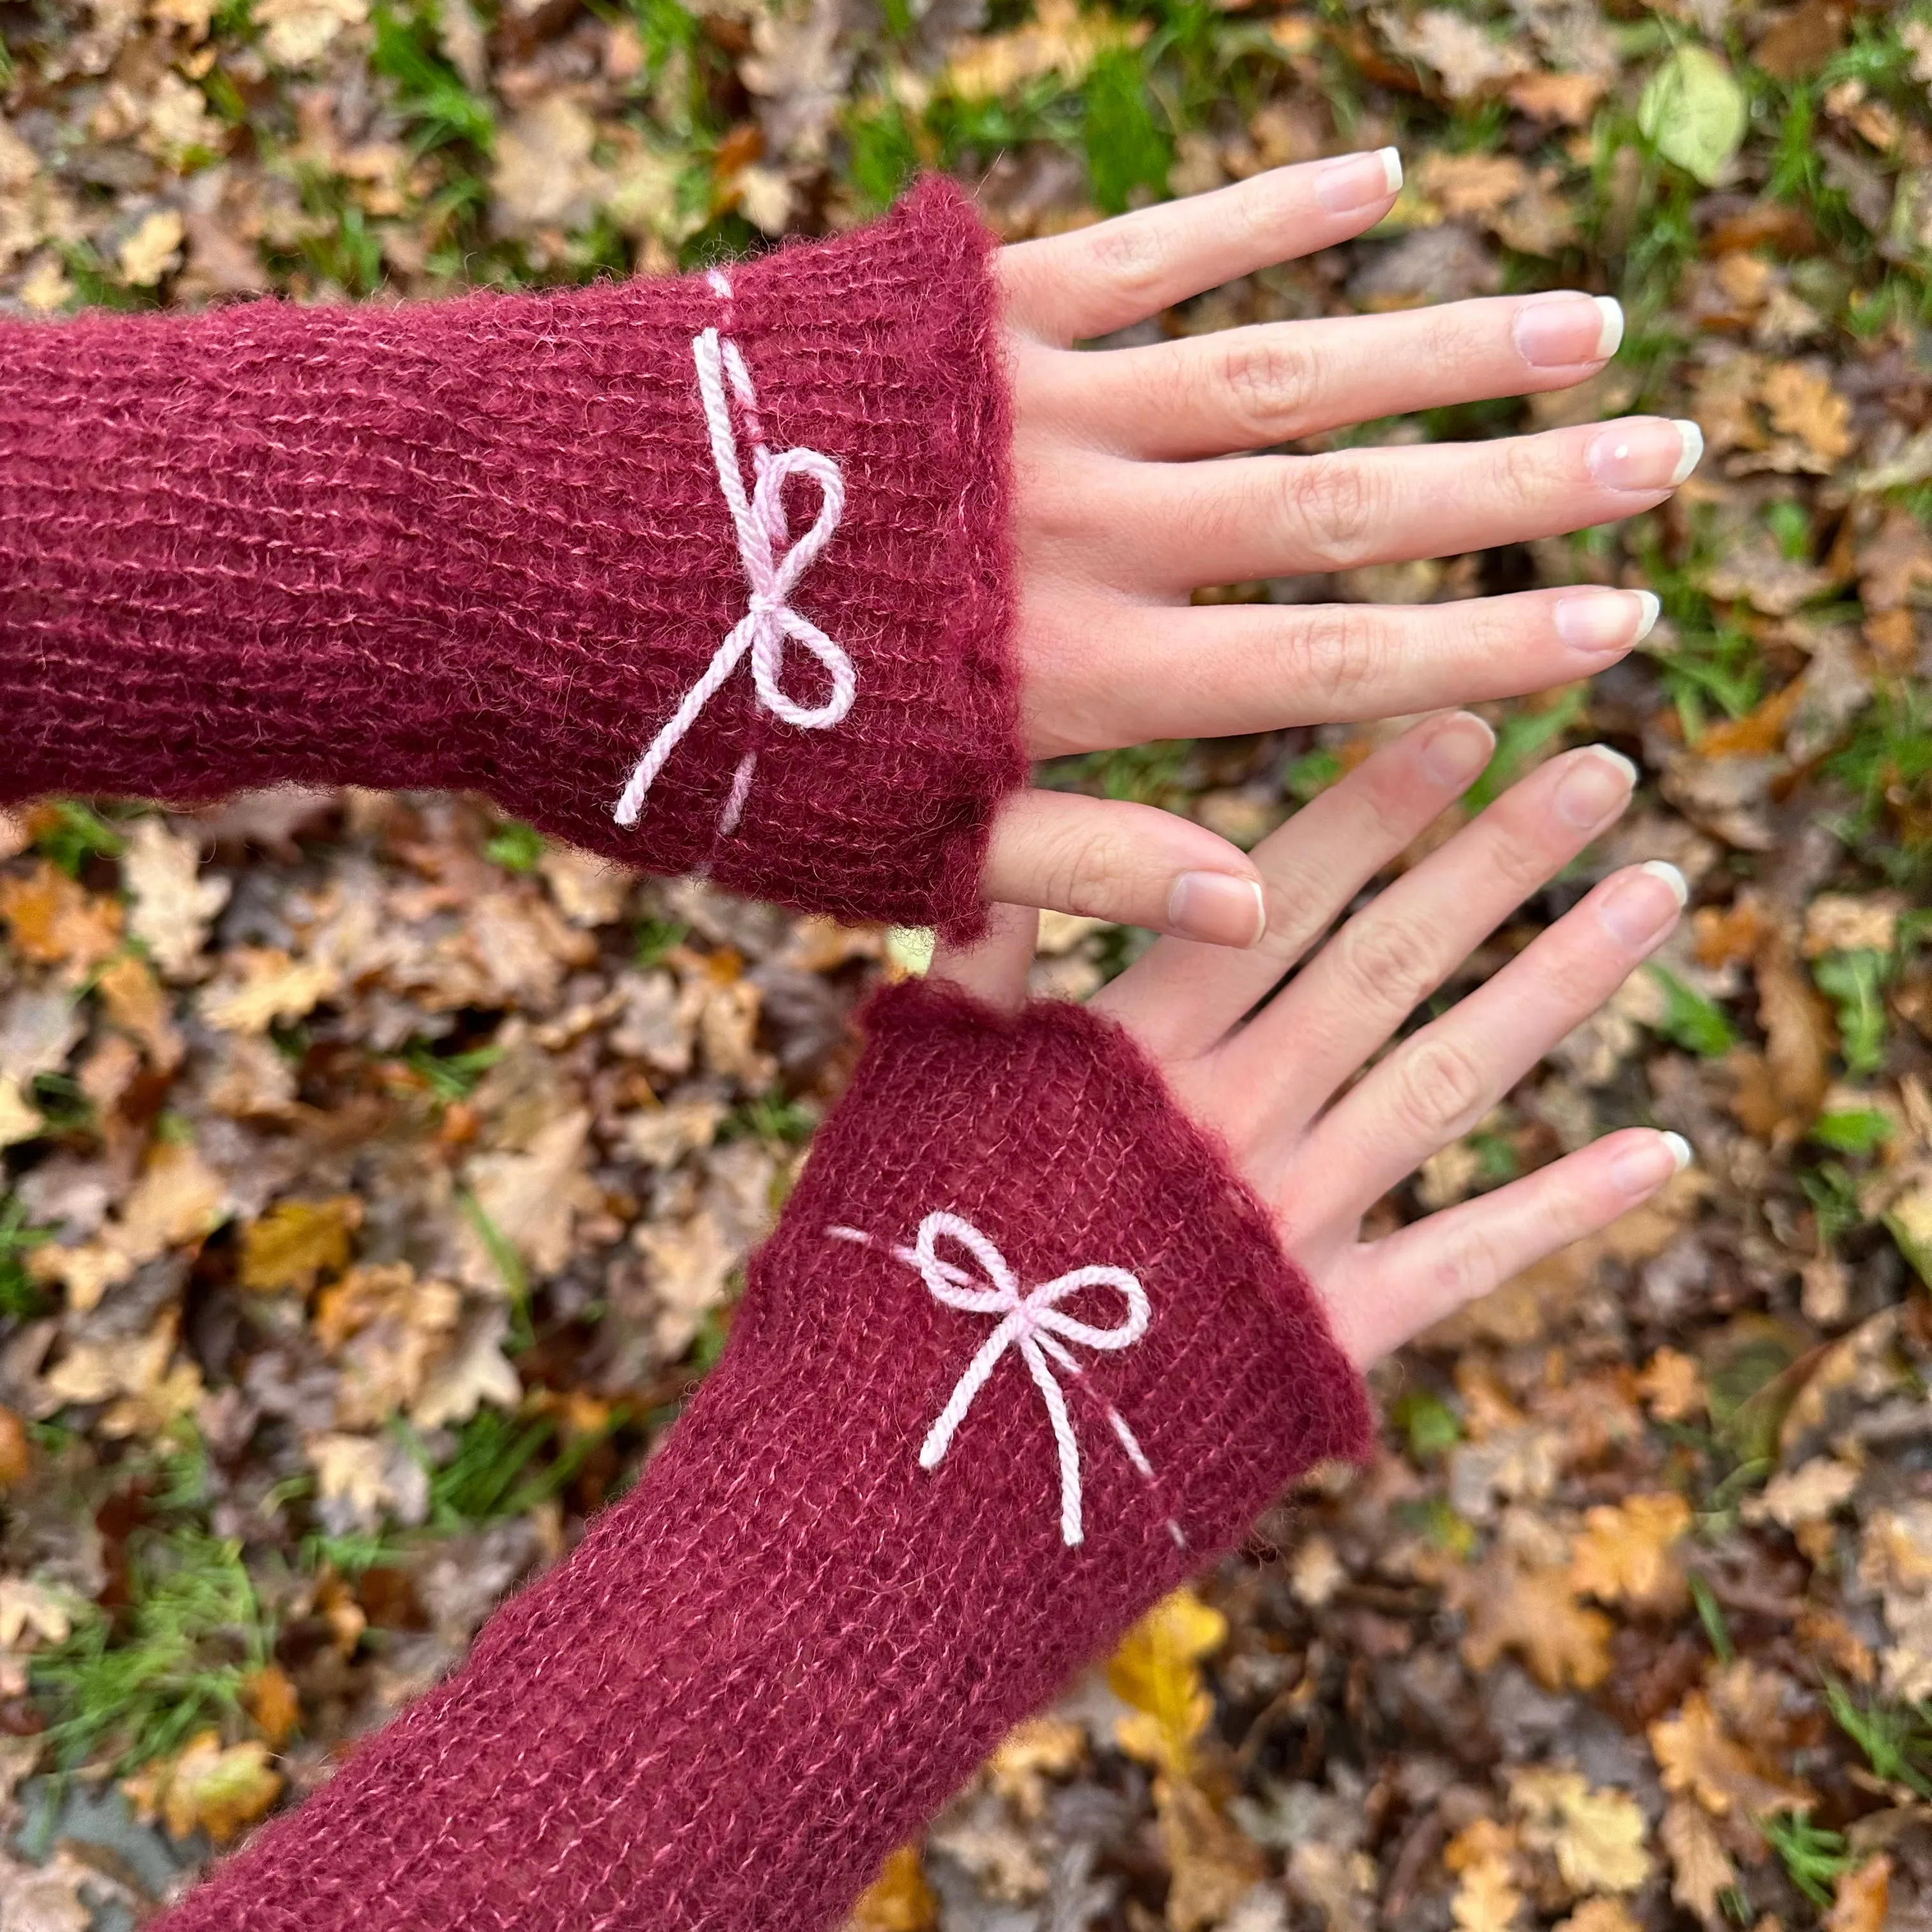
(1067, 287)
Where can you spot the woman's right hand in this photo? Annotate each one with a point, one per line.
(1318, 1118)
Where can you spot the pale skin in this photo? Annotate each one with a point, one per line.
(1131, 492)
(1319, 1126)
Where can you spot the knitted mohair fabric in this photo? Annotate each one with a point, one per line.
(482, 544)
(775, 1658)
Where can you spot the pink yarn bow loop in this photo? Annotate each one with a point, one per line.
(1031, 1322)
(758, 521)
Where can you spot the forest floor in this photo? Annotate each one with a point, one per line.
(375, 1180)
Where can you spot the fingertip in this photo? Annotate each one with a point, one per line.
(1218, 909)
(1646, 1161)
(1456, 750)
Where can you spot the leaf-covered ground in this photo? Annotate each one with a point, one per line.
(377, 1180)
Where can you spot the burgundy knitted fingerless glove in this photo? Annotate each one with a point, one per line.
(1021, 1355)
(730, 549)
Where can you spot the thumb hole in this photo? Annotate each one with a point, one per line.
(994, 968)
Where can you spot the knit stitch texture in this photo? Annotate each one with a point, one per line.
(480, 544)
(775, 1658)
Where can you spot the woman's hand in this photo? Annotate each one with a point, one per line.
(1280, 1086)
(1126, 501)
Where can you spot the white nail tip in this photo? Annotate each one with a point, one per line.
(1260, 912)
(1693, 439)
(1653, 608)
(1392, 169)
(1610, 336)
(1680, 1150)
(1615, 759)
(1662, 869)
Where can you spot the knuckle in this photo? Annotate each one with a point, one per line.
(1520, 863)
(1092, 875)
(1390, 962)
(1341, 651)
(1335, 503)
(1131, 257)
(1268, 382)
(1439, 1087)
(1467, 1268)
(1521, 466)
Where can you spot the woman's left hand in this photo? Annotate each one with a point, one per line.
(1131, 493)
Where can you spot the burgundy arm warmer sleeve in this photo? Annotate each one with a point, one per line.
(728, 549)
(1021, 1356)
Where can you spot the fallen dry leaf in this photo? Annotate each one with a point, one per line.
(1695, 1755)
(54, 921)
(297, 1242)
(1624, 1555)
(1156, 1669)
(270, 1697)
(1597, 1837)
(898, 1899)
(261, 986)
(1483, 1856)
(1863, 1899)
(171, 904)
(220, 1789)
(1702, 1872)
(1534, 1611)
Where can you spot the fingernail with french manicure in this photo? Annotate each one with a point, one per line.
(1355, 181)
(1558, 331)
(1457, 750)
(1647, 453)
(1596, 784)
(1217, 908)
(1603, 623)
(1642, 906)
(1644, 1168)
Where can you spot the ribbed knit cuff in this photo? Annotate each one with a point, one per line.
(941, 1465)
(490, 543)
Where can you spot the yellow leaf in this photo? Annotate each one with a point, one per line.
(1673, 1386)
(898, 1899)
(1534, 1612)
(55, 922)
(173, 904)
(269, 1696)
(1157, 1670)
(1600, 1915)
(19, 1120)
(1060, 40)
(1803, 404)
(26, 1606)
(1624, 1555)
(1695, 1754)
(1702, 1870)
(1031, 1754)
(297, 1242)
(1482, 1854)
(17, 1455)
(1210, 1865)
(135, 1003)
(210, 1787)
(1595, 1836)
(261, 986)
(1864, 1897)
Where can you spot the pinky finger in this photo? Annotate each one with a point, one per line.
(1389, 1291)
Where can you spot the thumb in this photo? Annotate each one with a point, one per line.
(1128, 863)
